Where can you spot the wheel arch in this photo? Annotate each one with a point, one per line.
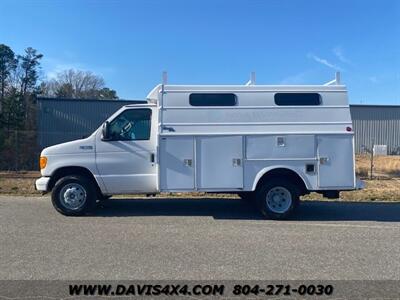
(73, 170)
(282, 171)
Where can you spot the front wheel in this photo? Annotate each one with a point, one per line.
(246, 196)
(277, 199)
(73, 195)
(103, 198)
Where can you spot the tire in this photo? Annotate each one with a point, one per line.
(277, 198)
(73, 195)
(247, 196)
(102, 198)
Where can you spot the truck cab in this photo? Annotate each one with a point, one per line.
(118, 158)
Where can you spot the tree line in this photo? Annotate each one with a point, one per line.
(21, 81)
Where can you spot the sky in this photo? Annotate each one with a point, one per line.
(130, 43)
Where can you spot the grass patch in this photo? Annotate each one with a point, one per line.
(375, 190)
(17, 186)
(384, 187)
(384, 166)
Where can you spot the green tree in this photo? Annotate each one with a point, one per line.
(29, 70)
(77, 84)
(106, 93)
(21, 76)
(8, 64)
(64, 90)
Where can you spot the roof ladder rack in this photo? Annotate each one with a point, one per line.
(252, 80)
(335, 81)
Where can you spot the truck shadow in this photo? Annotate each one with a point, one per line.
(231, 208)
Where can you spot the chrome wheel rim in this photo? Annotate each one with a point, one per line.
(73, 196)
(279, 199)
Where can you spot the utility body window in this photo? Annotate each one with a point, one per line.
(301, 99)
(212, 99)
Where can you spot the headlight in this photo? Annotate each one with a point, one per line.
(43, 162)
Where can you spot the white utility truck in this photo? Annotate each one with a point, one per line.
(270, 144)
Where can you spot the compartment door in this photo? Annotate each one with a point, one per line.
(335, 161)
(177, 163)
(219, 162)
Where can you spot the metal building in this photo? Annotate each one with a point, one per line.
(376, 124)
(62, 120)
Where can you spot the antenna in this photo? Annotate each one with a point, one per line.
(252, 80)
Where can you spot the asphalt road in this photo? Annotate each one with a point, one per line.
(198, 239)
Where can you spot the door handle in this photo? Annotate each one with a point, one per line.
(323, 160)
(152, 157)
(170, 129)
(187, 162)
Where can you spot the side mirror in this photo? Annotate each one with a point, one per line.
(105, 132)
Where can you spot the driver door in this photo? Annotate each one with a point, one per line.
(126, 163)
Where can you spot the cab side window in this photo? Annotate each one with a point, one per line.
(131, 125)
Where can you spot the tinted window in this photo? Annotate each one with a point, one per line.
(131, 125)
(212, 99)
(297, 99)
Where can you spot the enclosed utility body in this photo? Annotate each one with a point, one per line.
(270, 144)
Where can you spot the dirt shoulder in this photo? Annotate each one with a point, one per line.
(13, 183)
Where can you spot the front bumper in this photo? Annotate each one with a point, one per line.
(42, 184)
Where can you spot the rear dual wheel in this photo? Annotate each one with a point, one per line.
(277, 199)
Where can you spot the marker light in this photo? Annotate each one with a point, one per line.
(43, 162)
(348, 128)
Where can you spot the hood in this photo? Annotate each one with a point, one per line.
(73, 147)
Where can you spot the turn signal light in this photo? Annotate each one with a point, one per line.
(43, 162)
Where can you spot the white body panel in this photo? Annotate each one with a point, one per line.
(176, 163)
(222, 148)
(79, 153)
(126, 166)
(336, 167)
(293, 147)
(255, 112)
(219, 161)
